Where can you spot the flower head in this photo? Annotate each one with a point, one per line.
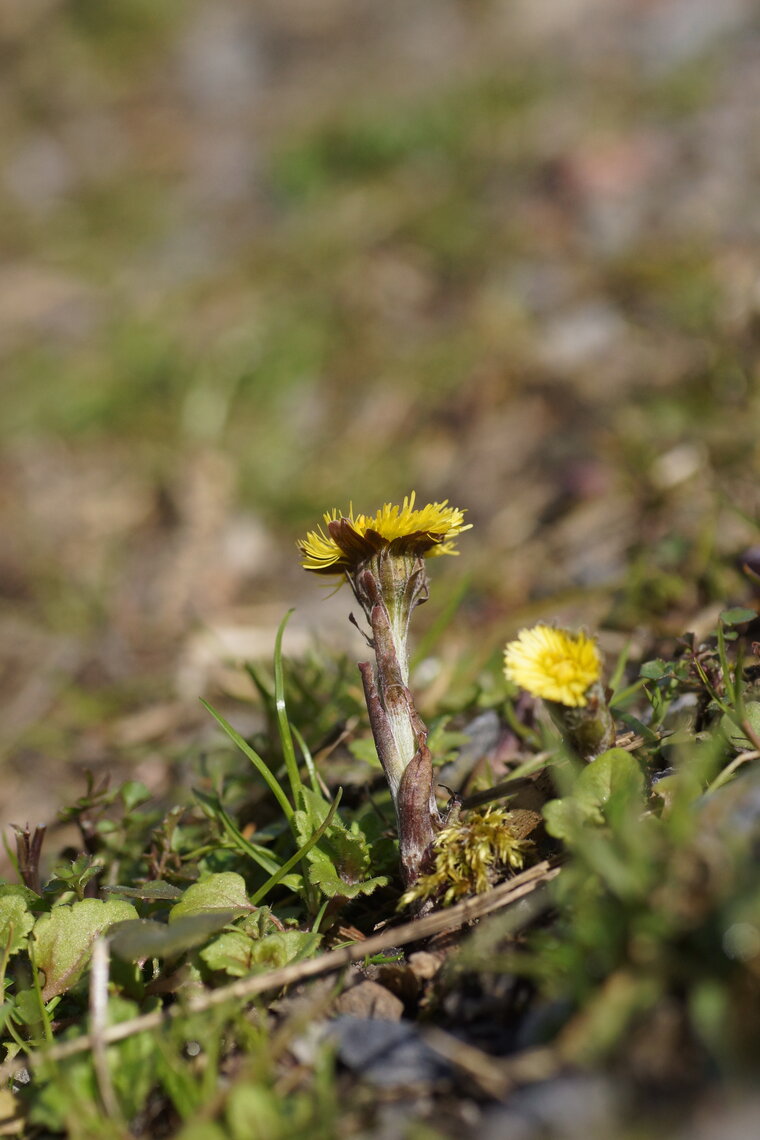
(350, 539)
(553, 664)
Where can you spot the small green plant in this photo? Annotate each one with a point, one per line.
(190, 912)
(657, 907)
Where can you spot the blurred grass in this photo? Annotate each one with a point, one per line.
(259, 264)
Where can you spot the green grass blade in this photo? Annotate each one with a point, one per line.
(283, 724)
(268, 777)
(531, 765)
(320, 915)
(619, 698)
(308, 759)
(254, 851)
(263, 689)
(619, 671)
(643, 730)
(294, 859)
(267, 697)
(728, 683)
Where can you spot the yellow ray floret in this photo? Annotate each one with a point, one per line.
(553, 664)
(350, 538)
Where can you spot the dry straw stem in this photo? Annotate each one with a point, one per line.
(451, 918)
(494, 1076)
(99, 970)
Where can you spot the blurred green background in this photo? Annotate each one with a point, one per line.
(262, 259)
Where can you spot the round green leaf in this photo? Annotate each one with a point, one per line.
(217, 892)
(737, 615)
(63, 939)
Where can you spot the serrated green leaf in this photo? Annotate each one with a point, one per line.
(347, 851)
(284, 947)
(74, 876)
(237, 954)
(222, 891)
(259, 924)
(282, 876)
(16, 921)
(652, 670)
(16, 890)
(63, 939)
(337, 847)
(313, 813)
(144, 938)
(333, 885)
(230, 953)
(339, 863)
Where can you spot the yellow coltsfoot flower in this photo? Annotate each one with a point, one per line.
(553, 664)
(564, 669)
(405, 529)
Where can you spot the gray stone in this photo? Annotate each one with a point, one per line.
(566, 1108)
(387, 1053)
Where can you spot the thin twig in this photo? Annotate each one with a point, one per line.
(495, 1076)
(750, 733)
(488, 1074)
(726, 774)
(451, 918)
(99, 970)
